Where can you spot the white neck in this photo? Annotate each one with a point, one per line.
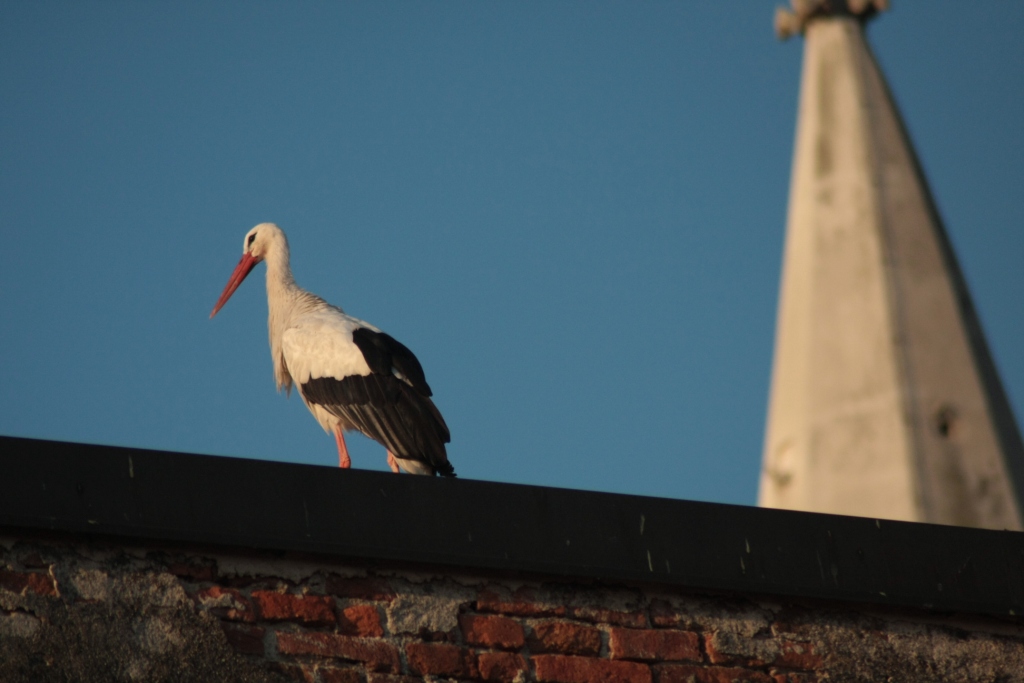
(282, 296)
(280, 281)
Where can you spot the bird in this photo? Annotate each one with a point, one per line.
(350, 374)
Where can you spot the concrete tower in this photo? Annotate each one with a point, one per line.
(885, 401)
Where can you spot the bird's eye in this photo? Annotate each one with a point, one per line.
(252, 238)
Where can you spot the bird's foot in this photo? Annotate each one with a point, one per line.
(392, 463)
(344, 461)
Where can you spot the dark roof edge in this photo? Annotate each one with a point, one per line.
(376, 516)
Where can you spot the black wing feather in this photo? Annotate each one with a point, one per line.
(391, 405)
(385, 354)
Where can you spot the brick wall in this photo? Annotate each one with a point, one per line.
(90, 611)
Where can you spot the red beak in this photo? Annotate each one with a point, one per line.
(241, 270)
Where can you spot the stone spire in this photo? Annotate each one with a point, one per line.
(789, 22)
(885, 401)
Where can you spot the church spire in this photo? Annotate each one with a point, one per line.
(789, 22)
(885, 401)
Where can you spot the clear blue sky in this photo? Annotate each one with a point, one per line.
(572, 212)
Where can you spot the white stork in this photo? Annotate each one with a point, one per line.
(351, 375)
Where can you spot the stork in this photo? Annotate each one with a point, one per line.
(351, 376)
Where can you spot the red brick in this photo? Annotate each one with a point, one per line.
(441, 659)
(502, 667)
(664, 616)
(360, 620)
(565, 637)
(307, 609)
(331, 674)
(492, 631)
(388, 678)
(648, 644)
(360, 588)
(376, 654)
(203, 570)
(245, 639)
(521, 603)
(22, 582)
(226, 603)
(34, 561)
(796, 655)
(565, 669)
(606, 616)
(688, 673)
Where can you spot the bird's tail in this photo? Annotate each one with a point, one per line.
(445, 469)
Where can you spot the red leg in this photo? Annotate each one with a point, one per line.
(392, 463)
(343, 459)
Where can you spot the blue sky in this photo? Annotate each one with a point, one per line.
(572, 212)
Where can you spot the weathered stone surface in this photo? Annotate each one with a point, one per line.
(729, 647)
(735, 616)
(867, 649)
(123, 616)
(227, 603)
(884, 400)
(18, 625)
(140, 633)
(412, 613)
